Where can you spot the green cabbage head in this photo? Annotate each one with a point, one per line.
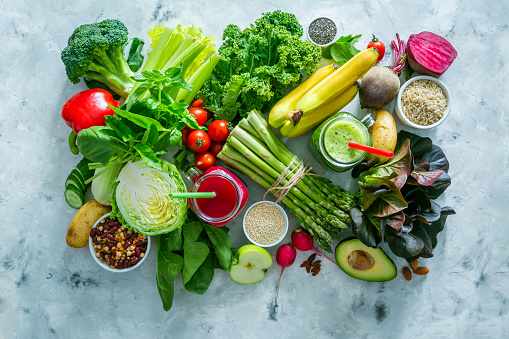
(141, 201)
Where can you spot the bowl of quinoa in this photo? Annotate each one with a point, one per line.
(265, 224)
(423, 102)
(115, 247)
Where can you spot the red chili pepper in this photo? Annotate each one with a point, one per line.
(88, 108)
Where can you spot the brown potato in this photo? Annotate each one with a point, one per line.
(79, 229)
(383, 133)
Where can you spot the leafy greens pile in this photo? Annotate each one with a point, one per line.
(395, 199)
(196, 249)
(342, 50)
(257, 65)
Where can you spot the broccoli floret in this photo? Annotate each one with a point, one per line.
(95, 51)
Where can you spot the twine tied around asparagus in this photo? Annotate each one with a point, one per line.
(293, 175)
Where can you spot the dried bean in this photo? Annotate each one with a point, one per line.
(134, 261)
(92, 232)
(113, 229)
(138, 252)
(103, 235)
(109, 236)
(106, 227)
(143, 249)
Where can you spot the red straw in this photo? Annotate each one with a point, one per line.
(370, 149)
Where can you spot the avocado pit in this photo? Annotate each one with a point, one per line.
(360, 260)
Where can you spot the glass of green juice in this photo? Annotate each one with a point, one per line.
(330, 140)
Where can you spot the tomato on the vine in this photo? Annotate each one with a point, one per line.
(204, 160)
(379, 46)
(200, 114)
(185, 134)
(198, 103)
(198, 141)
(216, 147)
(218, 130)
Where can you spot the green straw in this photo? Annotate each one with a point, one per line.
(193, 195)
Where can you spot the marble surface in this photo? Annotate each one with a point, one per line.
(49, 290)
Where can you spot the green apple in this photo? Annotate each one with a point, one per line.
(250, 264)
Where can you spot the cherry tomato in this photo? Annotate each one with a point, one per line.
(198, 141)
(204, 160)
(200, 115)
(198, 103)
(379, 46)
(218, 130)
(216, 147)
(185, 134)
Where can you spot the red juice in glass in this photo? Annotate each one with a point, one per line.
(231, 195)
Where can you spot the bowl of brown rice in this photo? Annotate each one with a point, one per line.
(423, 102)
(265, 224)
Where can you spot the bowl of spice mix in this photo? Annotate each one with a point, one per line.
(115, 247)
(322, 31)
(265, 224)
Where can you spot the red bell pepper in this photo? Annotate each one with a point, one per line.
(86, 109)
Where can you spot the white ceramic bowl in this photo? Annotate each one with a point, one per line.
(335, 36)
(103, 264)
(285, 216)
(402, 116)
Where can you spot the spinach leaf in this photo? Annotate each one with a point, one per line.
(148, 156)
(363, 229)
(380, 197)
(342, 50)
(404, 245)
(222, 245)
(201, 279)
(195, 252)
(135, 58)
(100, 144)
(168, 265)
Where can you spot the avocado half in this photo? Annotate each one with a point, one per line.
(363, 262)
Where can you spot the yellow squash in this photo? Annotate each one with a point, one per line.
(278, 114)
(309, 122)
(338, 81)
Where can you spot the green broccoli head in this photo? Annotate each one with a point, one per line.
(95, 51)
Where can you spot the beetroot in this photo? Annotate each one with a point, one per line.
(430, 54)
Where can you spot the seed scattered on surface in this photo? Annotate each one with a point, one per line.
(265, 223)
(322, 31)
(407, 273)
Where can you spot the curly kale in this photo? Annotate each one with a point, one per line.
(95, 52)
(257, 65)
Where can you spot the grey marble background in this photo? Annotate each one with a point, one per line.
(49, 290)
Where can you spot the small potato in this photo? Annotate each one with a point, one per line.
(79, 229)
(383, 133)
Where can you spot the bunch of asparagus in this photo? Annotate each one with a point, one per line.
(255, 150)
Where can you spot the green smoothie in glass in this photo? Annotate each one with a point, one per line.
(331, 138)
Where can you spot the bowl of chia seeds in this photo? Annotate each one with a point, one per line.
(322, 31)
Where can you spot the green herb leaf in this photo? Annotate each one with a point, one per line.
(100, 144)
(342, 50)
(148, 156)
(201, 279)
(135, 58)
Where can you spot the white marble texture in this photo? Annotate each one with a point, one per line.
(49, 290)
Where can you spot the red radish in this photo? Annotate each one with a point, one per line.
(285, 257)
(303, 241)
